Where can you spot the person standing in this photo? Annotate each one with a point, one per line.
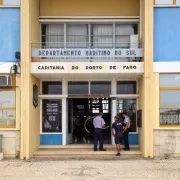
(117, 128)
(126, 131)
(99, 125)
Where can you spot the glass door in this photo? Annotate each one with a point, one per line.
(130, 107)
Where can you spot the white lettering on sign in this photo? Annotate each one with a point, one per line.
(86, 53)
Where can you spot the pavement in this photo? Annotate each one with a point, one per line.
(116, 168)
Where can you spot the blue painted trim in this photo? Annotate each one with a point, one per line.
(166, 34)
(9, 34)
(51, 139)
(133, 139)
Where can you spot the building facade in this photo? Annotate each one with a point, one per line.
(79, 58)
(9, 81)
(166, 73)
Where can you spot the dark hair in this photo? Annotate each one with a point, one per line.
(116, 117)
(124, 113)
(100, 114)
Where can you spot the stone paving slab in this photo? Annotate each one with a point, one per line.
(90, 169)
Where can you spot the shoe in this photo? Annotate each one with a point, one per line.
(102, 149)
(126, 149)
(95, 150)
(118, 154)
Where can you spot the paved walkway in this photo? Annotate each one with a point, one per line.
(93, 169)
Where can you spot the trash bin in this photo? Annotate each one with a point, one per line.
(0, 143)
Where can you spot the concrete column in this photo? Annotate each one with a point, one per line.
(113, 104)
(25, 77)
(148, 78)
(30, 116)
(64, 113)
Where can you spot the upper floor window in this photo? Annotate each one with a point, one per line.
(87, 35)
(126, 87)
(52, 87)
(10, 2)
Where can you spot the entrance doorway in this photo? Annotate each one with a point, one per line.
(81, 112)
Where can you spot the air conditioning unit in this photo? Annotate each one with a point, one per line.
(5, 81)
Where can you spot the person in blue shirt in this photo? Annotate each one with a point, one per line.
(99, 126)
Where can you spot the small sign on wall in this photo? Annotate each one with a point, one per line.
(35, 95)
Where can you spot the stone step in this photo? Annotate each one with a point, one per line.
(84, 152)
(80, 146)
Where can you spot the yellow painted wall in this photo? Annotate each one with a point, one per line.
(89, 8)
(147, 82)
(141, 106)
(156, 100)
(34, 125)
(30, 116)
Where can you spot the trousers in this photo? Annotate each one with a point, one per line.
(126, 140)
(98, 136)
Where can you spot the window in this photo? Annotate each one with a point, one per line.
(52, 36)
(102, 36)
(51, 116)
(77, 36)
(170, 99)
(89, 36)
(54, 87)
(122, 35)
(78, 87)
(100, 87)
(126, 87)
(163, 2)
(7, 109)
(130, 107)
(10, 2)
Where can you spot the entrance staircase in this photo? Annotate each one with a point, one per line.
(84, 151)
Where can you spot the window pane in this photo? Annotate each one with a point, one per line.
(128, 106)
(53, 35)
(7, 108)
(52, 87)
(7, 117)
(77, 87)
(126, 87)
(169, 116)
(170, 98)
(52, 116)
(11, 2)
(77, 36)
(170, 80)
(102, 35)
(100, 87)
(122, 37)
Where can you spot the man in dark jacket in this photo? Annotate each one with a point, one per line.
(117, 130)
